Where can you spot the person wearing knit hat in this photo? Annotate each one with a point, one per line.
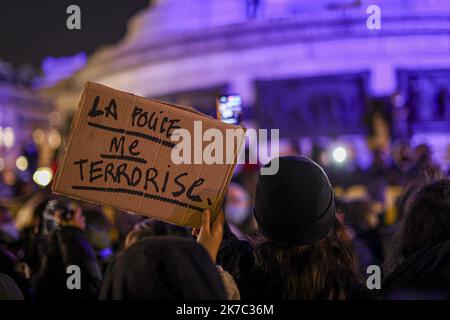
(296, 205)
(303, 252)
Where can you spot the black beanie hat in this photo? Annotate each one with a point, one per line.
(295, 206)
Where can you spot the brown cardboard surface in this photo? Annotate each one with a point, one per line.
(138, 175)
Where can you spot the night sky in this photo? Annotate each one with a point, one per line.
(30, 30)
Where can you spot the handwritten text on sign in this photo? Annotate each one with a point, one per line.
(119, 154)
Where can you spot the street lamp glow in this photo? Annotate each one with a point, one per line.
(339, 154)
(43, 176)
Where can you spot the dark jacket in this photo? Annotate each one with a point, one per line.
(68, 246)
(423, 275)
(8, 263)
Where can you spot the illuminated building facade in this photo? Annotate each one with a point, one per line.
(22, 113)
(313, 69)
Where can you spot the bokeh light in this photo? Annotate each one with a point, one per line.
(339, 154)
(22, 163)
(43, 176)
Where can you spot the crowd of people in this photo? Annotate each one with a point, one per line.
(281, 236)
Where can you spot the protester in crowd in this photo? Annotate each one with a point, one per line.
(421, 253)
(423, 156)
(124, 223)
(8, 230)
(348, 172)
(237, 211)
(301, 250)
(379, 174)
(362, 225)
(163, 268)
(97, 231)
(152, 227)
(65, 224)
(240, 223)
(10, 260)
(210, 236)
(9, 289)
(34, 243)
(402, 161)
(305, 253)
(423, 163)
(235, 256)
(389, 231)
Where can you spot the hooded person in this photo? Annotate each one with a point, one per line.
(163, 268)
(303, 252)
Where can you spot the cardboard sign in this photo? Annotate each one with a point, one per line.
(119, 153)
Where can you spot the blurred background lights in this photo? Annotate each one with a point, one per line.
(8, 137)
(54, 139)
(2, 164)
(54, 118)
(339, 154)
(9, 178)
(22, 163)
(38, 136)
(43, 176)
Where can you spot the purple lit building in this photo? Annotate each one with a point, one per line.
(22, 111)
(311, 68)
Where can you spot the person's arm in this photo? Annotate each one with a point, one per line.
(210, 237)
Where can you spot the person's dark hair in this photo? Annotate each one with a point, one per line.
(428, 217)
(151, 228)
(427, 175)
(322, 270)
(163, 268)
(426, 220)
(403, 199)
